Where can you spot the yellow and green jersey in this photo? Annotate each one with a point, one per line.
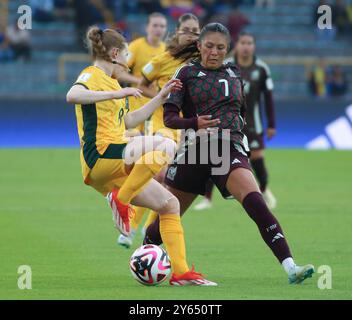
(140, 53)
(160, 69)
(101, 126)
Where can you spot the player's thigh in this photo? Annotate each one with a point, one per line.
(185, 198)
(107, 174)
(156, 197)
(140, 145)
(160, 176)
(241, 182)
(172, 134)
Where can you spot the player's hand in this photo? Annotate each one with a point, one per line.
(171, 86)
(205, 122)
(128, 91)
(270, 132)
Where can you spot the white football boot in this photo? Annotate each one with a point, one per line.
(203, 205)
(298, 274)
(126, 241)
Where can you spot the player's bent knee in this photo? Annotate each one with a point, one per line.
(172, 205)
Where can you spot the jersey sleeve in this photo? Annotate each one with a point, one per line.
(268, 84)
(88, 80)
(152, 69)
(177, 98)
(267, 87)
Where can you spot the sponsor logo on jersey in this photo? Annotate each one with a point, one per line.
(148, 68)
(84, 77)
(201, 74)
(171, 173)
(236, 161)
(231, 73)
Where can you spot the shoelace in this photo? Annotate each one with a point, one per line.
(131, 212)
(195, 273)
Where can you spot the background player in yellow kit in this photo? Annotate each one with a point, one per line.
(141, 51)
(123, 169)
(181, 48)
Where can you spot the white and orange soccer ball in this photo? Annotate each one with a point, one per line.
(150, 265)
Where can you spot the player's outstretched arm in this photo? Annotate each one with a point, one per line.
(173, 120)
(148, 88)
(78, 94)
(125, 76)
(132, 119)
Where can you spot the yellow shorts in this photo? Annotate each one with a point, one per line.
(107, 174)
(107, 171)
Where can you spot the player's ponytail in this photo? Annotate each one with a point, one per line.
(187, 51)
(101, 42)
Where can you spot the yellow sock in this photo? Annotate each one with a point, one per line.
(138, 216)
(151, 218)
(172, 235)
(143, 171)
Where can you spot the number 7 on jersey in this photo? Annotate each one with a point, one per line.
(226, 86)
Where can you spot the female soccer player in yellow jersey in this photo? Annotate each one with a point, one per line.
(123, 169)
(160, 70)
(140, 52)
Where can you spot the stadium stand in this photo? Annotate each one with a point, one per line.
(285, 37)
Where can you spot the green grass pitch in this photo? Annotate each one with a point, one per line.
(63, 230)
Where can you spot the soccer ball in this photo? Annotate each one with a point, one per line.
(150, 265)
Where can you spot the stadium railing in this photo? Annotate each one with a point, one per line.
(306, 61)
(69, 58)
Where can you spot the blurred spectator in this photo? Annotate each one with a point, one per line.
(95, 12)
(19, 42)
(236, 22)
(336, 82)
(43, 10)
(176, 8)
(349, 14)
(340, 16)
(317, 79)
(265, 3)
(217, 10)
(50, 10)
(6, 53)
(149, 6)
